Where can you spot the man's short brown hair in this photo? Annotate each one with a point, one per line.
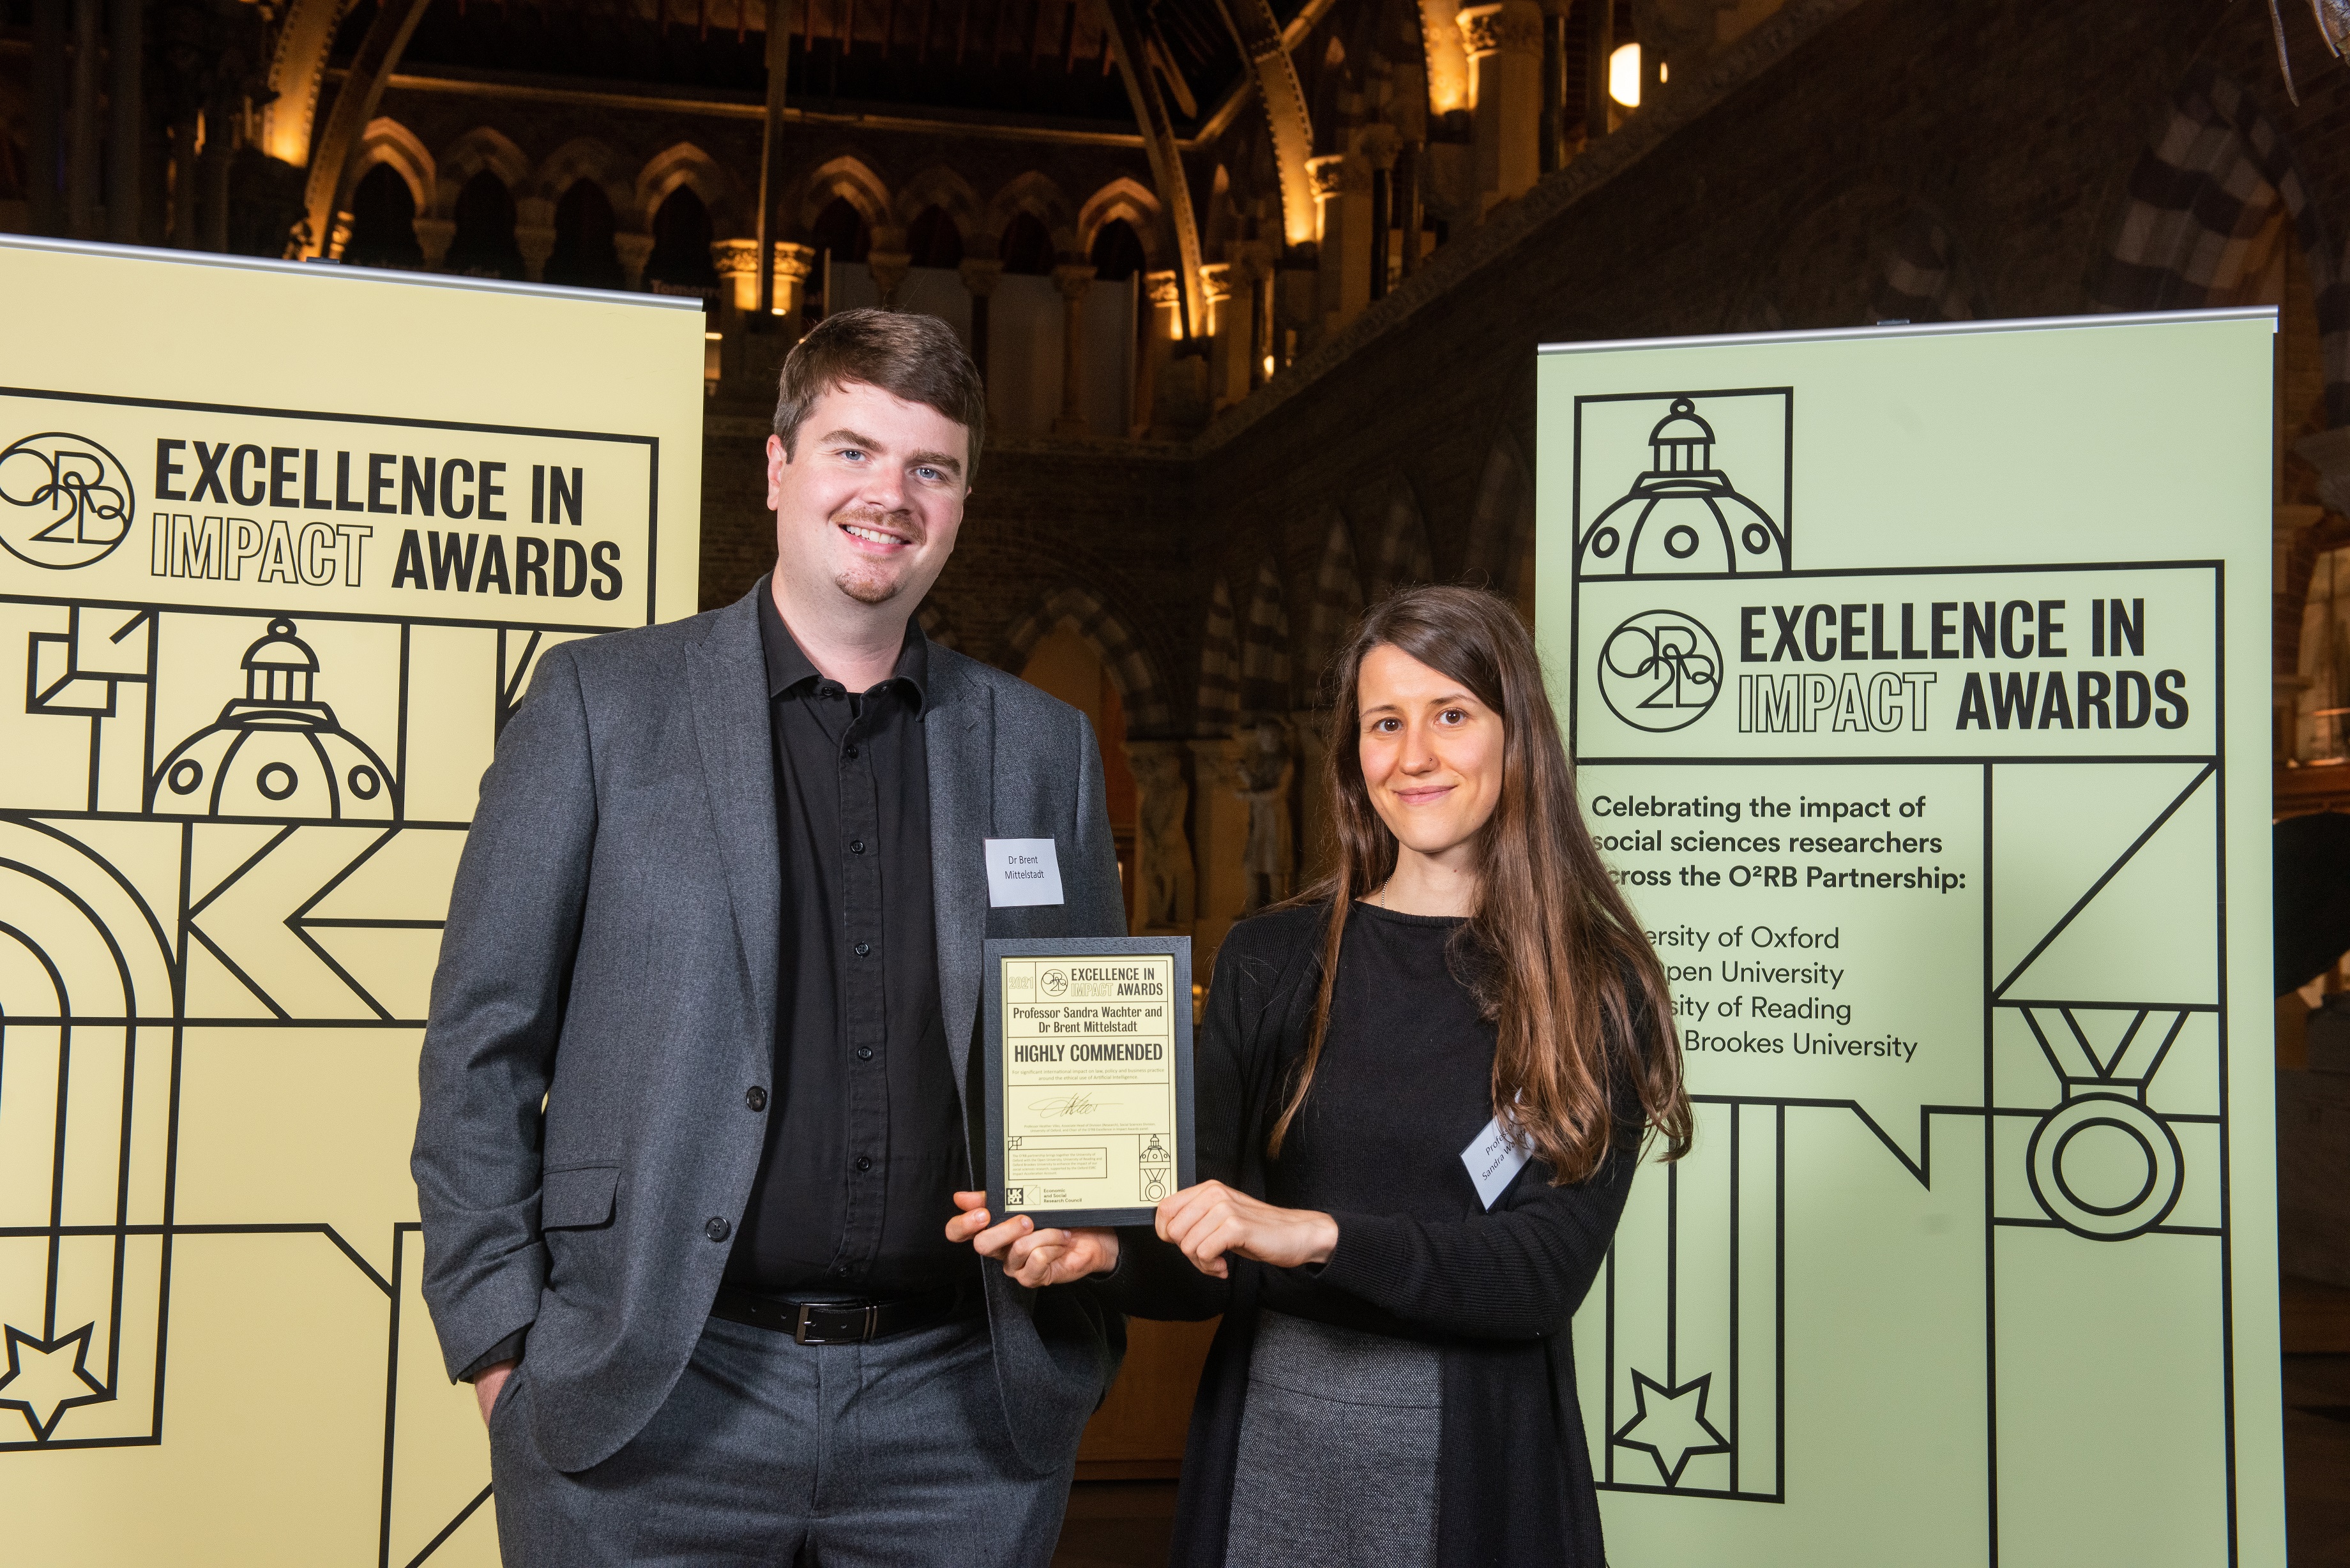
(917, 357)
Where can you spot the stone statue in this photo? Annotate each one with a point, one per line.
(1263, 776)
(1163, 850)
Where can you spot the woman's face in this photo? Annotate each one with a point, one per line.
(1431, 753)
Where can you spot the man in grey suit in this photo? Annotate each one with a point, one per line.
(695, 1101)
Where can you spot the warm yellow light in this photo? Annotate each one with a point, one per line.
(1664, 70)
(1268, 364)
(1623, 76)
(712, 337)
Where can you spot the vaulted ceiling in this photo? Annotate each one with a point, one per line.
(1047, 60)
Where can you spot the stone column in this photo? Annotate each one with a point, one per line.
(737, 264)
(1381, 144)
(1505, 45)
(1405, 183)
(1074, 282)
(1224, 285)
(980, 276)
(1599, 44)
(535, 235)
(890, 262)
(1161, 320)
(1342, 189)
(434, 235)
(1220, 838)
(1164, 881)
(794, 265)
(1253, 261)
(1556, 114)
(634, 251)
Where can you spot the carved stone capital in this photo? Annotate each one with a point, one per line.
(1216, 282)
(980, 275)
(1073, 280)
(1164, 289)
(1339, 174)
(796, 262)
(735, 258)
(1512, 27)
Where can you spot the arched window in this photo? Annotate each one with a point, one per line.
(934, 239)
(680, 257)
(383, 222)
(1027, 246)
(840, 230)
(1117, 252)
(484, 231)
(584, 256)
(485, 245)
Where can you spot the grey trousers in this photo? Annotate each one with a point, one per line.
(892, 1454)
(1338, 1448)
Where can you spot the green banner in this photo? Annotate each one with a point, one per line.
(1919, 692)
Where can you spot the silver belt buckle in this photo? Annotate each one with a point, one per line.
(802, 1336)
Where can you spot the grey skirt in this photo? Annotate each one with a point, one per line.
(1338, 1451)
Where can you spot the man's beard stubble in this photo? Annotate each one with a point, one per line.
(868, 588)
(870, 585)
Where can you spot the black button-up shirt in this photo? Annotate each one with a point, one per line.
(865, 1141)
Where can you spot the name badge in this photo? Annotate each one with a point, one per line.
(1493, 1156)
(1021, 871)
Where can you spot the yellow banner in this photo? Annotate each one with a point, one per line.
(280, 549)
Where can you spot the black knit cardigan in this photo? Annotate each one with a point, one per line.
(1495, 1291)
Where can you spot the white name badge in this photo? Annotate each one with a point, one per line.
(1493, 1156)
(1021, 871)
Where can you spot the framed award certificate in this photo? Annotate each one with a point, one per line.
(1088, 1095)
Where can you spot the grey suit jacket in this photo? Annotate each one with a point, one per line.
(612, 952)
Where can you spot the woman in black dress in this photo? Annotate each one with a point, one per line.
(1423, 1087)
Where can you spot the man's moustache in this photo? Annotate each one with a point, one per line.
(882, 522)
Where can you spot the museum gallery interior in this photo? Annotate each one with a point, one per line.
(1255, 286)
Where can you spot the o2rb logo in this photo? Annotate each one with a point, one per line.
(65, 500)
(1660, 670)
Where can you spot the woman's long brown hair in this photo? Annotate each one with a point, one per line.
(1553, 952)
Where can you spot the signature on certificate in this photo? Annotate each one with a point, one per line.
(1078, 1104)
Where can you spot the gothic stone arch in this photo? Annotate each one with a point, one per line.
(1140, 685)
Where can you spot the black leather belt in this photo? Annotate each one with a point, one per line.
(837, 1322)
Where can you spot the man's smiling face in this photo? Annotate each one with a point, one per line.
(871, 499)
